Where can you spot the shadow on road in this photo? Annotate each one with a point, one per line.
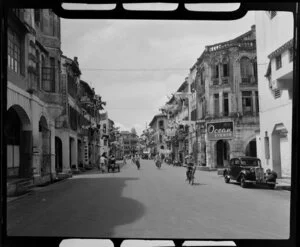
(198, 184)
(86, 207)
(251, 186)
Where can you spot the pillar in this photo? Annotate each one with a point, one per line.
(65, 151)
(52, 147)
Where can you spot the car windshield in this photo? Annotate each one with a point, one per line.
(250, 162)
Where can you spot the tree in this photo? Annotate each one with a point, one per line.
(133, 131)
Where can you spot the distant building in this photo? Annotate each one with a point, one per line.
(159, 125)
(128, 142)
(274, 38)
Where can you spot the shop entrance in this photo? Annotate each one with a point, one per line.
(251, 148)
(222, 151)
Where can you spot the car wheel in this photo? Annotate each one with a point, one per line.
(243, 182)
(271, 186)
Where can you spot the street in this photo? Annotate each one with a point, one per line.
(150, 203)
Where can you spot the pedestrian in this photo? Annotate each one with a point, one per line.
(124, 160)
(103, 161)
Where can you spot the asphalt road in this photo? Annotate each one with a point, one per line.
(150, 203)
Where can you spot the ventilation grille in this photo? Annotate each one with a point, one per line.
(277, 93)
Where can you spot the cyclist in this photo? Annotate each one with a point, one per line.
(191, 168)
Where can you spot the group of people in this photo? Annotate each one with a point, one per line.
(135, 159)
(103, 162)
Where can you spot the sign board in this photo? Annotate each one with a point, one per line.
(220, 130)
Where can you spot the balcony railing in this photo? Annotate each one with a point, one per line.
(248, 44)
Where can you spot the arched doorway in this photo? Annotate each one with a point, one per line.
(222, 150)
(19, 143)
(45, 140)
(58, 154)
(251, 148)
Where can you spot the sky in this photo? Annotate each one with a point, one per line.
(136, 65)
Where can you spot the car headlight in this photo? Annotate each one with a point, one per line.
(252, 170)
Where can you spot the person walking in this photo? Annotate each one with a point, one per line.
(103, 161)
(124, 160)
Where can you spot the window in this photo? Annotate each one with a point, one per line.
(226, 104)
(291, 55)
(48, 75)
(216, 104)
(246, 69)
(202, 77)
(278, 62)
(37, 16)
(216, 71)
(256, 102)
(225, 69)
(247, 102)
(14, 51)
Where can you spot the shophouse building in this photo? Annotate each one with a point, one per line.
(159, 125)
(46, 106)
(104, 130)
(34, 99)
(227, 100)
(274, 39)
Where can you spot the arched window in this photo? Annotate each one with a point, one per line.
(246, 69)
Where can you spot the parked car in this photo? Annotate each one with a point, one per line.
(248, 170)
(113, 166)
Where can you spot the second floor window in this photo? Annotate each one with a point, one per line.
(247, 102)
(225, 70)
(278, 62)
(14, 52)
(246, 69)
(216, 71)
(48, 76)
(216, 105)
(226, 104)
(256, 102)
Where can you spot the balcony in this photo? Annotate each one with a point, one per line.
(225, 80)
(215, 81)
(248, 44)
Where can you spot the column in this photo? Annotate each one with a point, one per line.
(52, 147)
(65, 138)
(73, 150)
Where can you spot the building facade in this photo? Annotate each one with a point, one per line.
(274, 40)
(48, 115)
(227, 98)
(159, 124)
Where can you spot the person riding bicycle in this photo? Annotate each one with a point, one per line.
(158, 160)
(191, 168)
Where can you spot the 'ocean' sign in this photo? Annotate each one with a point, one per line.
(220, 130)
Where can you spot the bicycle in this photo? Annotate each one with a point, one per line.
(191, 176)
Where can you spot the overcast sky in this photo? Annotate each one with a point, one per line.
(158, 55)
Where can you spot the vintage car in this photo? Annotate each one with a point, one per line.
(248, 170)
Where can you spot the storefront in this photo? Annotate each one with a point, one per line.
(225, 140)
